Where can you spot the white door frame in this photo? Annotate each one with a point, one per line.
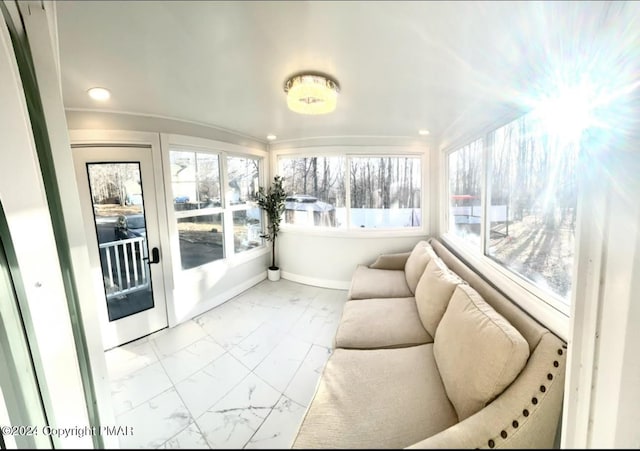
(120, 138)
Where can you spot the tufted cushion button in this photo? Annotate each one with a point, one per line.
(556, 364)
(559, 351)
(550, 376)
(534, 400)
(543, 388)
(503, 434)
(491, 444)
(525, 412)
(514, 424)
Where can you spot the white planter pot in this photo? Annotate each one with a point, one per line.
(273, 274)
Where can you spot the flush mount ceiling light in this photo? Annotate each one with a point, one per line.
(99, 93)
(311, 93)
(423, 132)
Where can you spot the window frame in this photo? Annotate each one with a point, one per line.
(544, 305)
(361, 151)
(173, 142)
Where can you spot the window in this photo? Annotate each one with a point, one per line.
(465, 176)
(195, 179)
(243, 175)
(316, 192)
(349, 192)
(533, 202)
(532, 196)
(385, 192)
(202, 211)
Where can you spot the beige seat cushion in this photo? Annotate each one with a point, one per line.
(433, 293)
(478, 352)
(416, 263)
(382, 398)
(380, 323)
(368, 283)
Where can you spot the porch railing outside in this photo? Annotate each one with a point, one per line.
(124, 269)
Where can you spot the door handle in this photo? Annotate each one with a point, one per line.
(155, 256)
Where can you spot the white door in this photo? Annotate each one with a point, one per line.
(118, 197)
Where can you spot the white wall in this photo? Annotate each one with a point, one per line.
(329, 261)
(602, 395)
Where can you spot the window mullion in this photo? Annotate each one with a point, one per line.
(485, 196)
(347, 188)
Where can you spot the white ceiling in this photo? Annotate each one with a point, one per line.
(449, 67)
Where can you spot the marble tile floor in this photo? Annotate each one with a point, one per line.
(238, 376)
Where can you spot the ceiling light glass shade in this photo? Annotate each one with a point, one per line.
(311, 94)
(99, 93)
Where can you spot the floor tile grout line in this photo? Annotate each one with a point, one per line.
(314, 299)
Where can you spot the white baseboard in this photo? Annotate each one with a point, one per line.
(323, 283)
(221, 298)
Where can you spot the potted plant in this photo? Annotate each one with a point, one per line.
(271, 201)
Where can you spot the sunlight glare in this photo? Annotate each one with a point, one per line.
(567, 115)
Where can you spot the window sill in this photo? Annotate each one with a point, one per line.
(354, 233)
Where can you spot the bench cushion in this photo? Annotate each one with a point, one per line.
(368, 283)
(382, 398)
(433, 293)
(478, 352)
(380, 323)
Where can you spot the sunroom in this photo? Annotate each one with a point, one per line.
(138, 134)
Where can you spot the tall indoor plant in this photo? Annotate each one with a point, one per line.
(272, 201)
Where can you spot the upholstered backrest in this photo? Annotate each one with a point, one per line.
(433, 293)
(416, 263)
(478, 352)
(530, 329)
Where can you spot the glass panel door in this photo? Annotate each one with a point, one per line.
(118, 201)
(119, 217)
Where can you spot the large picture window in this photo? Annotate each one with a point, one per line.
(531, 198)
(204, 214)
(534, 194)
(316, 191)
(465, 183)
(353, 192)
(385, 192)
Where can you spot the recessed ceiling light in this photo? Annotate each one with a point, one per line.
(271, 137)
(99, 93)
(423, 132)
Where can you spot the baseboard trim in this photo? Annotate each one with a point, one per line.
(221, 298)
(322, 283)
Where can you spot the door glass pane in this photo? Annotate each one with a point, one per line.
(118, 210)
